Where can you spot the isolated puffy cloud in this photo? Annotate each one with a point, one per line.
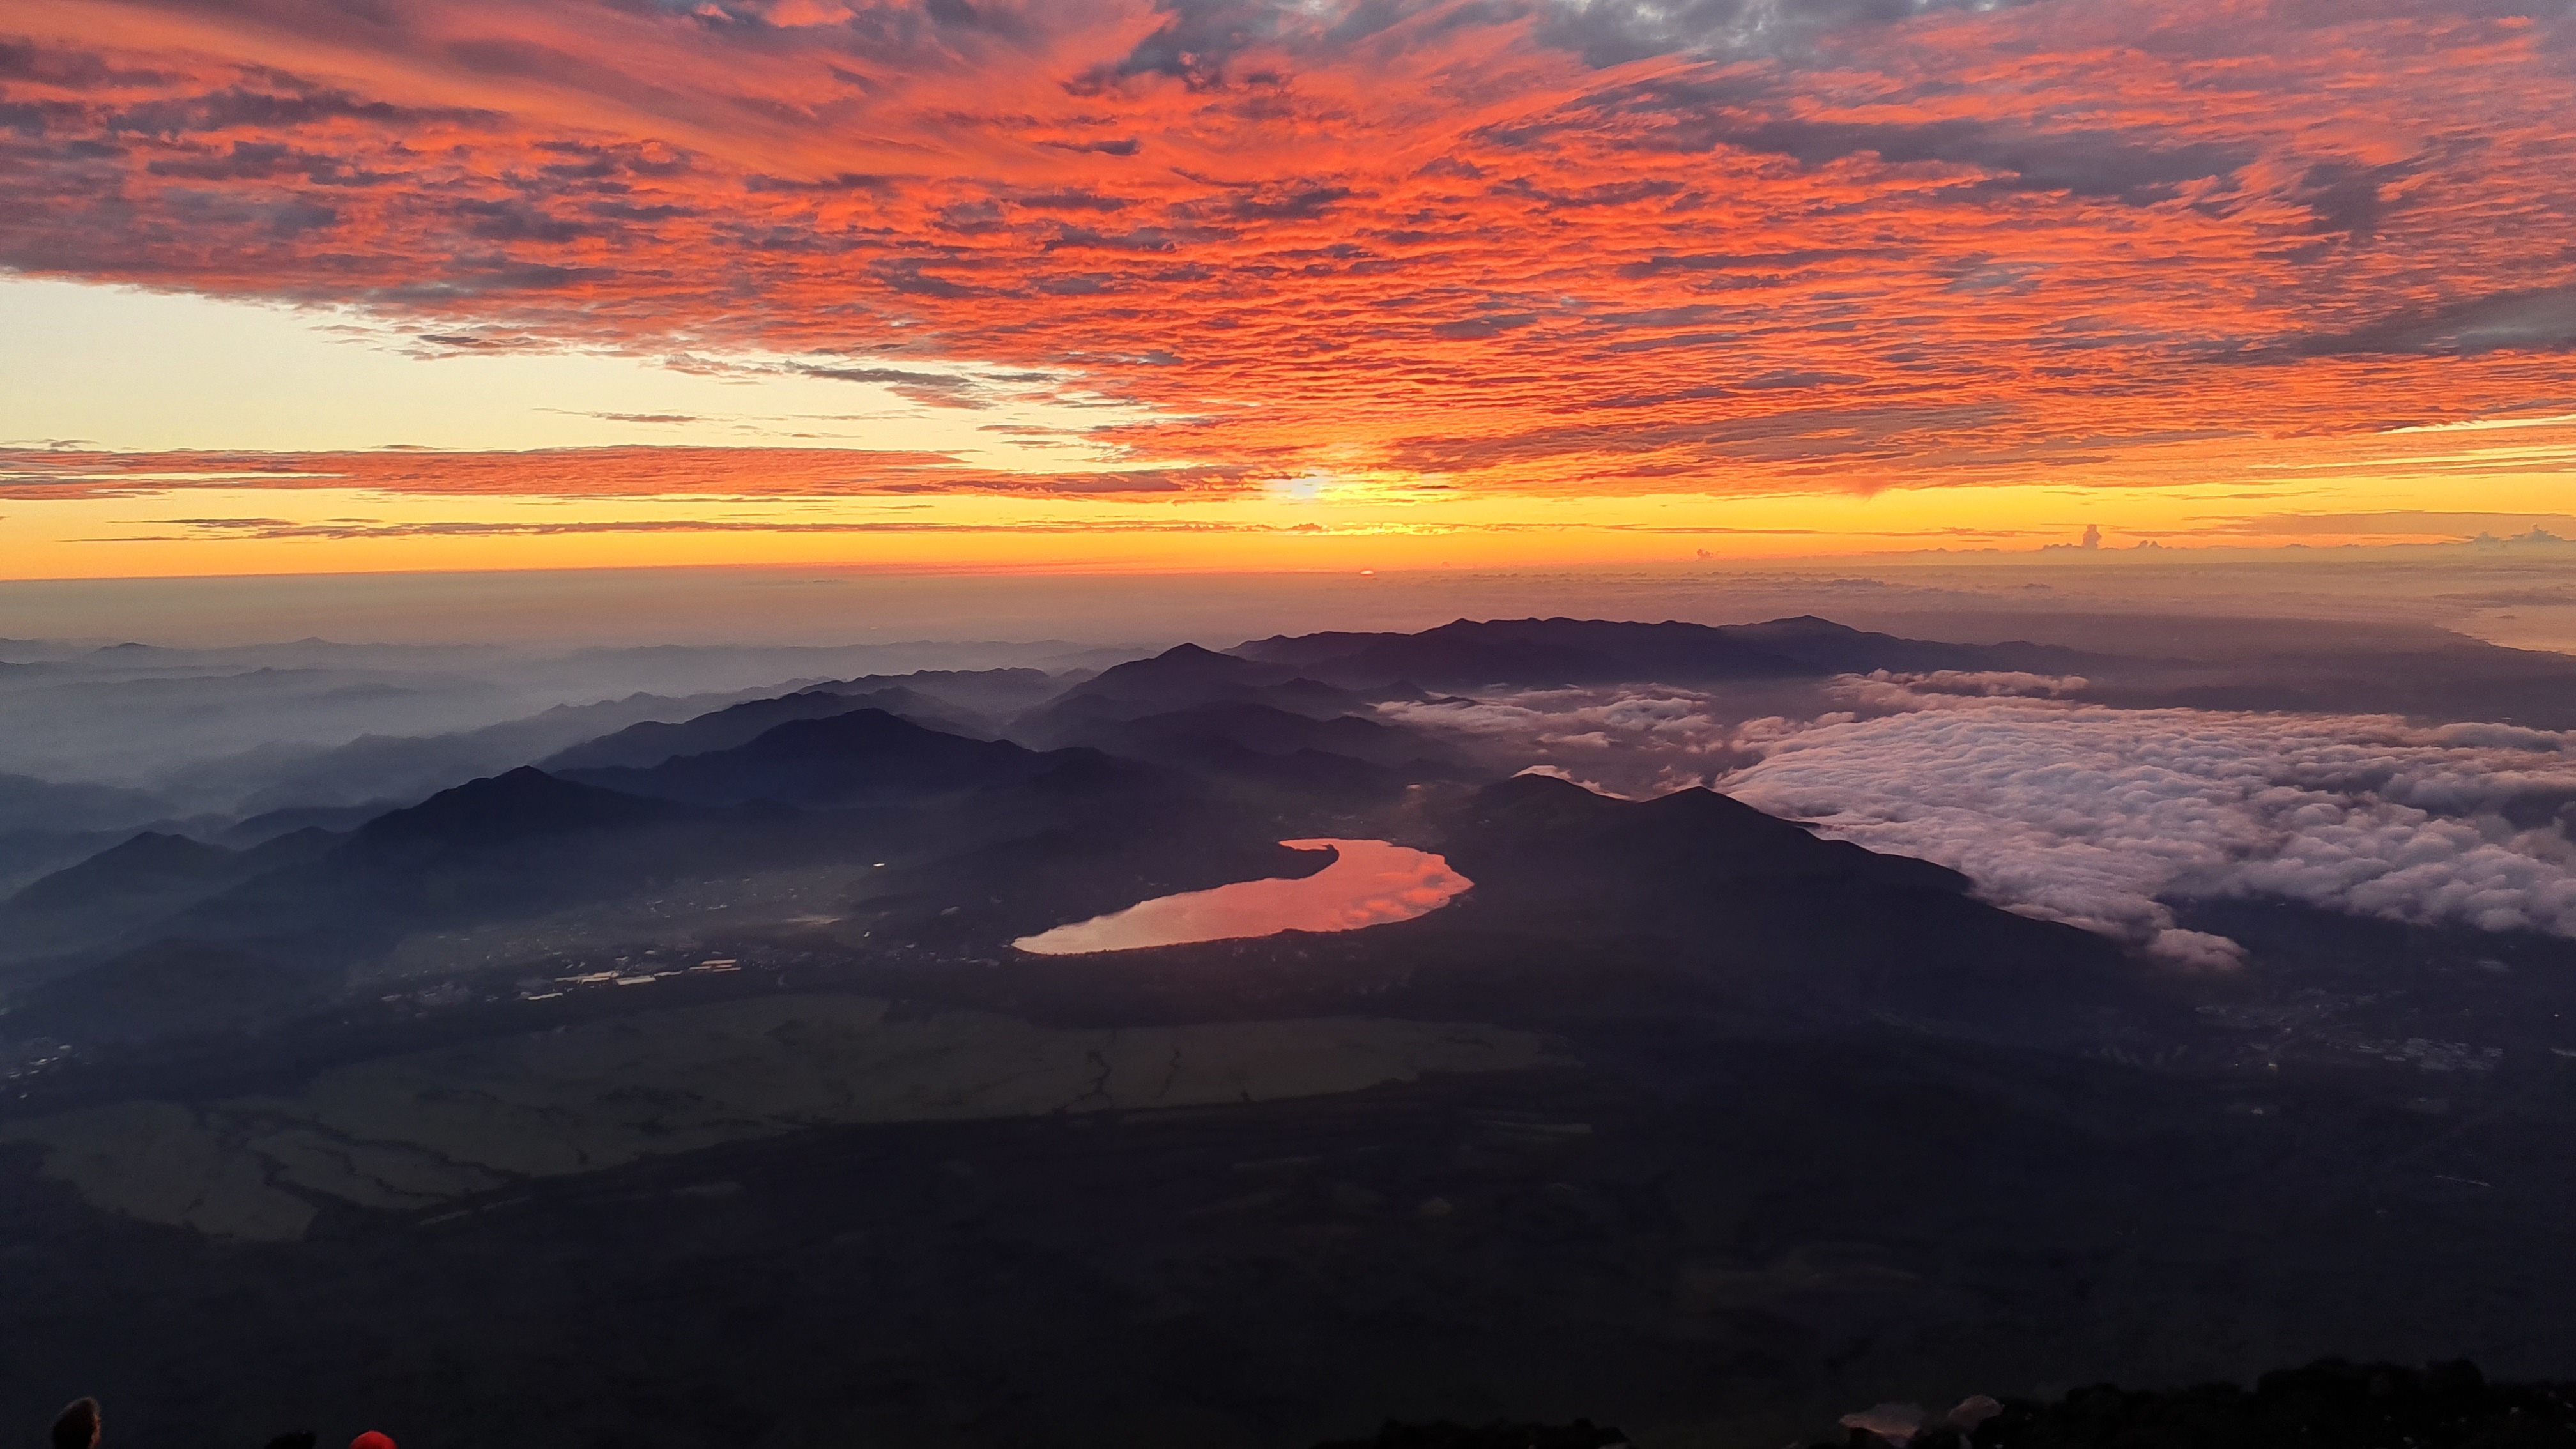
(2100, 816)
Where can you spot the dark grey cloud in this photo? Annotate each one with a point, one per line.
(887, 375)
(1753, 109)
(1144, 239)
(846, 181)
(1200, 42)
(1705, 392)
(266, 216)
(1739, 262)
(1798, 380)
(287, 104)
(1069, 199)
(259, 161)
(910, 276)
(1124, 146)
(587, 161)
(1614, 32)
(70, 69)
(2134, 167)
(637, 214)
(478, 342)
(475, 276)
(1468, 329)
(1808, 435)
(936, 389)
(518, 220)
(1285, 203)
(2346, 197)
(1197, 40)
(2535, 319)
(1082, 284)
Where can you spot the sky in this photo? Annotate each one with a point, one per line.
(313, 286)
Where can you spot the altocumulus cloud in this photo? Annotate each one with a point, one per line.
(2100, 816)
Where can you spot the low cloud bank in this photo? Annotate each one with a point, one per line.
(1618, 741)
(2099, 816)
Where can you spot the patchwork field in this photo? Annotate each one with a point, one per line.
(415, 1131)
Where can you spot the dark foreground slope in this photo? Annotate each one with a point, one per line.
(2330, 1402)
(1794, 1128)
(1772, 910)
(2448, 1405)
(1709, 1239)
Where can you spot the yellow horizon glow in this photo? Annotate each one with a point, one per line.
(107, 364)
(135, 536)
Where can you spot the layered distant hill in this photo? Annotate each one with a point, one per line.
(953, 811)
(1548, 652)
(1171, 772)
(843, 758)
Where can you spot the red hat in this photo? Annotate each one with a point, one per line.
(372, 1440)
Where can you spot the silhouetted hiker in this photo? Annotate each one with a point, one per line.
(372, 1440)
(76, 1427)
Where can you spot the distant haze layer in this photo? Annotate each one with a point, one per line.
(2519, 594)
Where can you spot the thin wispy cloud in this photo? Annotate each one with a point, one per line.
(584, 473)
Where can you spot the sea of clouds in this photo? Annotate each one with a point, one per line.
(2099, 816)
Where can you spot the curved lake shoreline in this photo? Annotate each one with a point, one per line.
(1369, 883)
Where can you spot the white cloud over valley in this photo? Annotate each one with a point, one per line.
(2101, 816)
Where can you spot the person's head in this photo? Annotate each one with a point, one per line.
(76, 1427)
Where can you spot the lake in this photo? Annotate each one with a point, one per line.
(1369, 883)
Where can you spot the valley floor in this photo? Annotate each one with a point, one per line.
(1710, 1239)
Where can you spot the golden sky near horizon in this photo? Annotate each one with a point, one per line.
(308, 285)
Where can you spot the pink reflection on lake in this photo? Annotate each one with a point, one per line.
(1369, 883)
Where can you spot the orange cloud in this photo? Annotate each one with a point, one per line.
(1525, 247)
